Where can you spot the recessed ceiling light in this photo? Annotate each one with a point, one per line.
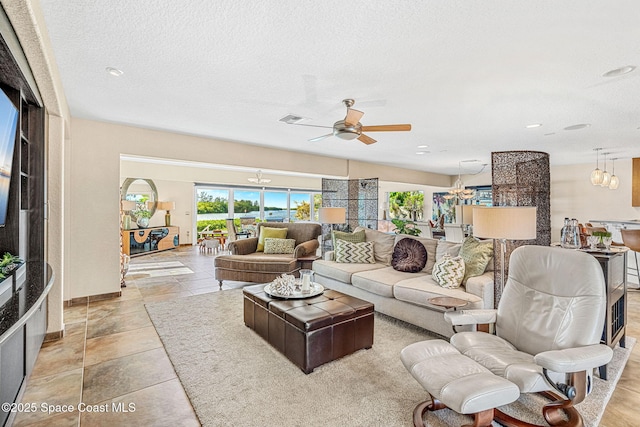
(533, 125)
(619, 71)
(576, 127)
(422, 152)
(423, 146)
(114, 71)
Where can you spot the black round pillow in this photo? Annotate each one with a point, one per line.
(409, 255)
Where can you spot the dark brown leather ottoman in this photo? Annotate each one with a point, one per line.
(313, 331)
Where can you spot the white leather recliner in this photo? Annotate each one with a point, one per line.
(548, 327)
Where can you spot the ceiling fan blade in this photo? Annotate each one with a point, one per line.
(353, 116)
(366, 139)
(319, 138)
(386, 128)
(313, 126)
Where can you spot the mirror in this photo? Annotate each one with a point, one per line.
(143, 192)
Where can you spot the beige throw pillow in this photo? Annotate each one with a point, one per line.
(448, 272)
(382, 244)
(354, 253)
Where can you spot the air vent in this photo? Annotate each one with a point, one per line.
(292, 119)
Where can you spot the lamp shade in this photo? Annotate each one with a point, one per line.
(166, 206)
(467, 214)
(332, 215)
(128, 205)
(505, 222)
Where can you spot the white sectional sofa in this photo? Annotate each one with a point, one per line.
(404, 295)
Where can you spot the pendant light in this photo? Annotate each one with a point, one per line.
(613, 184)
(606, 176)
(596, 174)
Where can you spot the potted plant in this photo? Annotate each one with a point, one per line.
(604, 238)
(8, 264)
(142, 216)
(406, 227)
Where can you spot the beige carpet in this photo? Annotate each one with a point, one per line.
(233, 377)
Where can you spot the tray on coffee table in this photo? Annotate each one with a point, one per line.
(316, 289)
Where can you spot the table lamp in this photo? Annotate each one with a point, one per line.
(504, 223)
(331, 216)
(167, 206)
(126, 207)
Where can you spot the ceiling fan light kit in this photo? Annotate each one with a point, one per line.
(350, 127)
(258, 179)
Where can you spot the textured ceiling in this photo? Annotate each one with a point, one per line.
(468, 75)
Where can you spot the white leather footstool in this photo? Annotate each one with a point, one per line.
(455, 381)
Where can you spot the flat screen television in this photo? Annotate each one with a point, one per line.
(8, 124)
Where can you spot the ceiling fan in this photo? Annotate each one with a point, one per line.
(351, 128)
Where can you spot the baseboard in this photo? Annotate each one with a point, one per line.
(53, 336)
(91, 298)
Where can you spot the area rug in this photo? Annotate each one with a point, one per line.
(157, 269)
(233, 377)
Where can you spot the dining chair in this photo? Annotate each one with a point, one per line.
(631, 239)
(232, 233)
(453, 233)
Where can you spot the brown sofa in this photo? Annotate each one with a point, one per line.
(246, 265)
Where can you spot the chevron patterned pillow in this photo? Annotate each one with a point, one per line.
(448, 272)
(354, 253)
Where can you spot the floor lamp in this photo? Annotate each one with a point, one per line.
(331, 216)
(504, 223)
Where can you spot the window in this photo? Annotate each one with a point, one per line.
(276, 208)
(300, 207)
(406, 205)
(246, 203)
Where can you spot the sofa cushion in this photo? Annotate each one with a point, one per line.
(276, 233)
(448, 272)
(355, 237)
(342, 272)
(380, 281)
(257, 262)
(429, 244)
(409, 256)
(476, 255)
(418, 290)
(279, 246)
(354, 253)
(382, 244)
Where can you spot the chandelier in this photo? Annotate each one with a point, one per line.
(458, 191)
(259, 179)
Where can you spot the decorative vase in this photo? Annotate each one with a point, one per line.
(142, 222)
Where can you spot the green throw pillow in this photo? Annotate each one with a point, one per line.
(354, 253)
(356, 237)
(276, 233)
(476, 256)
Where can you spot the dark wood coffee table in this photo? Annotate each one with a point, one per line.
(312, 331)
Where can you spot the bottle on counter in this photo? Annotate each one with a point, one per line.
(571, 234)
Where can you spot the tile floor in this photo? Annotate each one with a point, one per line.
(111, 357)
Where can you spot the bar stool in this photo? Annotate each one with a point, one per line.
(631, 239)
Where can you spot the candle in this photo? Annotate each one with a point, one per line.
(306, 282)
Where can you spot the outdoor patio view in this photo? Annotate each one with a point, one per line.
(214, 208)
